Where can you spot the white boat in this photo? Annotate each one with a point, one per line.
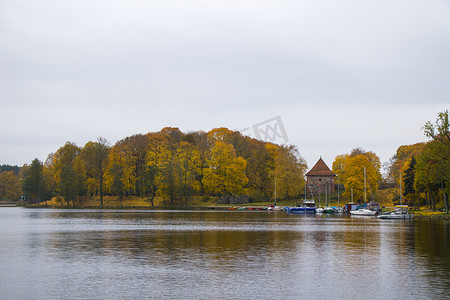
(363, 212)
(319, 210)
(273, 207)
(400, 212)
(339, 210)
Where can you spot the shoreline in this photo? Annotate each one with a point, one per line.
(421, 214)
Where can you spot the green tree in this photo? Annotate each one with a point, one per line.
(33, 185)
(408, 179)
(6, 168)
(70, 172)
(433, 165)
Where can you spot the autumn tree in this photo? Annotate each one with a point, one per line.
(260, 182)
(152, 164)
(351, 169)
(226, 172)
(399, 162)
(9, 186)
(95, 157)
(188, 162)
(114, 176)
(49, 173)
(167, 171)
(115, 180)
(70, 172)
(289, 170)
(130, 154)
(432, 173)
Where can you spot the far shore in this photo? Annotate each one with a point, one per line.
(423, 213)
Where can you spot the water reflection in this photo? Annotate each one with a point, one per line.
(203, 255)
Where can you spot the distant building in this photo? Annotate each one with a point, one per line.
(320, 179)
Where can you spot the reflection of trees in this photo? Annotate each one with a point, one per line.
(431, 242)
(171, 237)
(256, 249)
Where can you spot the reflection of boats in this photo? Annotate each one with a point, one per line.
(308, 207)
(400, 212)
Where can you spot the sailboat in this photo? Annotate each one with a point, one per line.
(364, 211)
(400, 211)
(327, 209)
(308, 207)
(274, 206)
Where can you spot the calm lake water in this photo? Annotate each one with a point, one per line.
(123, 254)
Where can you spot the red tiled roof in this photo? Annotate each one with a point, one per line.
(320, 169)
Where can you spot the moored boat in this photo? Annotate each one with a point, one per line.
(363, 212)
(328, 210)
(308, 207)
(400, 212)
(273, 207)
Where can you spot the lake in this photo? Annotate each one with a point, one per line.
(140, 254)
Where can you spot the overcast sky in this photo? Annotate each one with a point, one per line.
(338, 74)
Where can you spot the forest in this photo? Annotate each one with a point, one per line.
(221, 163)
(169, 164)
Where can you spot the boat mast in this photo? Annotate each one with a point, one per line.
(275, 191)
(305, 190)
(365, 199)
(400, 184)
(338, 190)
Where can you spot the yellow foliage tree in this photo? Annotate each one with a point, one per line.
(9, 186)
(288, 170)
(350, 169)
(226, 172)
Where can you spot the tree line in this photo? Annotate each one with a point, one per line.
(177, 166)
(420, 171)
(170, 164)
(423, 170)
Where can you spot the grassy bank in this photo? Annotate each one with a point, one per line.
(427, 213)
